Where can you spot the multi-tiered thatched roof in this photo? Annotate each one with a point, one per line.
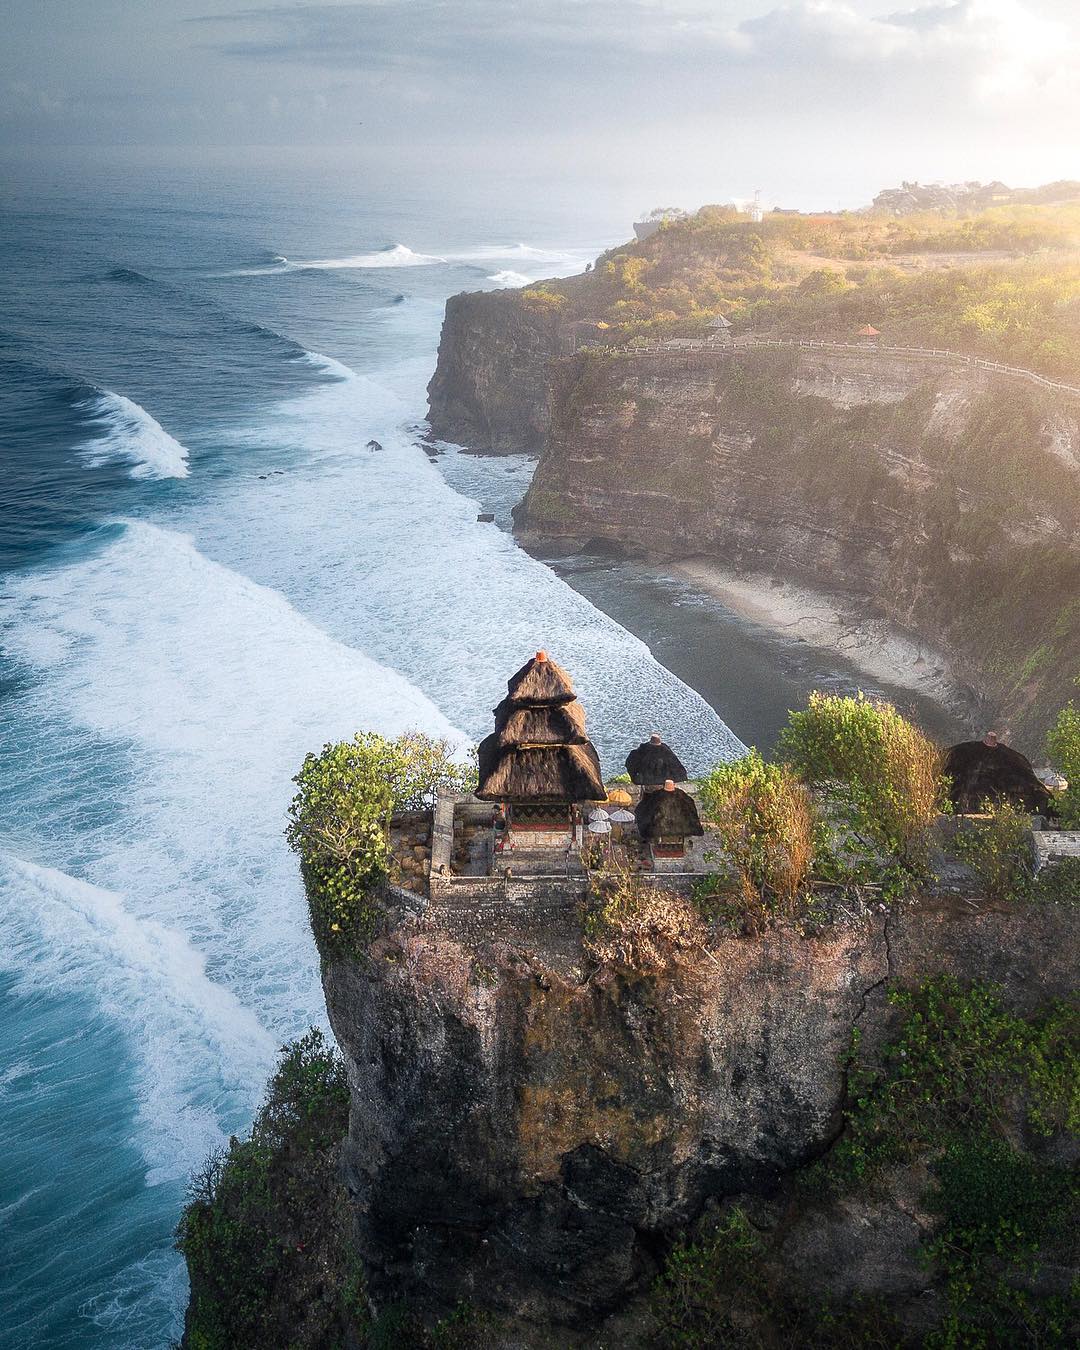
(538, 751)
(668, 813)
(654, 762)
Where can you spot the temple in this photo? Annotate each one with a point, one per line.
(541, 808)
(538, 763)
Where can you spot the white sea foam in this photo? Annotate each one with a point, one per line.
(508, 278)
(165, 706)
(198, 1049)
(212, 688)
(125, 431)
(395, 255)
(379, 551)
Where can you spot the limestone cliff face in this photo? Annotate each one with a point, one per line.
(489, 390)
(528, 1131)
(938, 496)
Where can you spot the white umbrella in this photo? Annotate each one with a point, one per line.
(600, 826)
(598, 813)
(622, 816)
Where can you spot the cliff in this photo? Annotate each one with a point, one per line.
(489, 389)
(939, 496)
(934, 494)
(531, 1130)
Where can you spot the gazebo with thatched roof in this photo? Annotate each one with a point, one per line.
(987, 771)
(538, 762)
(653, 763)
(666, 818)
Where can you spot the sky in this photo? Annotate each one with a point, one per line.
(817, 102)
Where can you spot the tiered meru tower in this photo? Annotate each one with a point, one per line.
(538, 763)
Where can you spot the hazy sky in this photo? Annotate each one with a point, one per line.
(816, 101)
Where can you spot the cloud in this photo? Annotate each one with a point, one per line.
(985, 48)
(990, 48)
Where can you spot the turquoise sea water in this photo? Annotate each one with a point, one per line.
(221, 546)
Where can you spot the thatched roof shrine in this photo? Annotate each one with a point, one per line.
(982, 771)
(667, 813)
(540, 681)
(653, 762)
(547, 724)
(539, 751)
(550, 773)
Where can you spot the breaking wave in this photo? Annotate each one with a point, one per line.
(508, 278)
(197, 1047)
(126, 432)
(393, 255)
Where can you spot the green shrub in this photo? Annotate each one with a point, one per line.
(958, 1086)
(399, 1328)
(999, 1213)
(766, 823)
(719, 1291)
(998, 851)
(262, 1226)
(339, 823)
(1063, 747)
(880, 775)
(1059, 882)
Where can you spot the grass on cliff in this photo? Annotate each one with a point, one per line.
(339, 824)
(718, 1290)
(825, 276)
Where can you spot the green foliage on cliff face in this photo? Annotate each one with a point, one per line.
(997, 851)
(719, 1290)
(880, 776)
(766, 821)
(1063, 747)
(964, 1081)
(264, 1232)
(339, 823)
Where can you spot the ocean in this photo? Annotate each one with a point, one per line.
(223, 544)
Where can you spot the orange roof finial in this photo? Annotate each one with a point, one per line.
(541, 655)
(669, 785)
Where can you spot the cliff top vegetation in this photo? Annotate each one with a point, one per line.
(1003, 282)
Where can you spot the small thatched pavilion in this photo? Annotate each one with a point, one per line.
(666, 818)
(653, 763)
(538, 762)
(987, 771)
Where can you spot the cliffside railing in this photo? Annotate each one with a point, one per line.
(685, 346)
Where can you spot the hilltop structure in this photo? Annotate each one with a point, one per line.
(542, 810)
(654, 762)
(666, 818)
(987, 771)
(538, 763)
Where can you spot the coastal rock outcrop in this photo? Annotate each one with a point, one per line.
(489, 389)
(933, 494)
(529, 1132)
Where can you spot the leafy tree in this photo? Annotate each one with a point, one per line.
(339, 821)
(880, 775)
(766, 821)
